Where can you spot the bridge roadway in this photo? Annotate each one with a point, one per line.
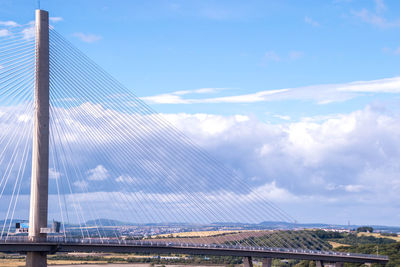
(55, 244)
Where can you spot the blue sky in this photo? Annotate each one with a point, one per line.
(263, 85)
(158, 47)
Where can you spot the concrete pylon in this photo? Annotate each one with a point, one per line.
(40, 151)
(247, 262)
(319, 263)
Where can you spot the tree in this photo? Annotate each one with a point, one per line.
(365, 229)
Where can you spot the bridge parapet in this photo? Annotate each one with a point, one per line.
(119, 245)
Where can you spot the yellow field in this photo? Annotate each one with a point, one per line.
(378, 235)
(336, 244)
(71, 262)
(12, 262)
(193, 234)
(21, 262)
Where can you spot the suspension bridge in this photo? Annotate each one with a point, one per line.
(78, 146)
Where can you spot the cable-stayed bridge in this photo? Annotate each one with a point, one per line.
(76, 146)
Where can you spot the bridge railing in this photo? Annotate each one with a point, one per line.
(145, 243)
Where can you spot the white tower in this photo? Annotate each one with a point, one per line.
(40, 151)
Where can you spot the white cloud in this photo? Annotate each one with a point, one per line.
(354, 188)
(272, 192)
(310, 21)
(54, 174)
(9, 23)
(87, 38)
(322, 94)
(25, 117)
(99, 173)
(345, 164)
(376, 18)
(81, 185)
(55, 19)
(210, 124)
(29, 32)
(176, 97)
(282, 117)
(388, 85)
(340, 153)
(247, 98)
(4, 32)
(126, 179)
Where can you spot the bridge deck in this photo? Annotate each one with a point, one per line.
(52, 245)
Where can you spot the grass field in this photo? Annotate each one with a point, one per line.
(336, 244)
(195, 234)
(21, 262)
(212, 237)
(378, 235)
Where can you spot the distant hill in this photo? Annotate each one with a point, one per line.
(7, 222)
(262, 225)
(107, 222)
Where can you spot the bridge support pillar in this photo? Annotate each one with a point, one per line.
(266, 262)
(36, 259)
(247, 262)
(339, 264)
(40, 149)
(319, 264)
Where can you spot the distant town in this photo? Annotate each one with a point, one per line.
(163, 230)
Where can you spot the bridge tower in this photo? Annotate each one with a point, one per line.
(40, 150)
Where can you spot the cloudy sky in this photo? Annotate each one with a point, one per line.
(301, 99)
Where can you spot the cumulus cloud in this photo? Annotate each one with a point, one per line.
(347, 158)
(87, 38)
(98, 174)
(322, 94)
(342, 164)
(29, 32)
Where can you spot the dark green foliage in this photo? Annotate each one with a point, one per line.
(389, 234)
(365, 229)
(391, 250)
(351, 238)
(226, 260)
(328, 234)
(364, 245)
